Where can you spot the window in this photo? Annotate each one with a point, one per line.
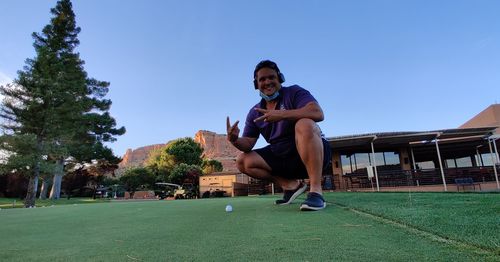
(379, 158)
(450, 163)
(359, 161)
(391, 158)
(459, 162)
(346, 164)
(362, 161)
(486, 159)
(464, 162)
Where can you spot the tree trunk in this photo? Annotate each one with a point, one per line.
(35, 186)
(55, 192)
(94, 191)
(29, 201)
(45, 188)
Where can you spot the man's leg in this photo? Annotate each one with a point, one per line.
(310, 148)
(255, 166)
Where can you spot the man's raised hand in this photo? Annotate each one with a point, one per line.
(269, 115)
(233, 131)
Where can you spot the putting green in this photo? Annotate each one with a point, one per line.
(201, 230)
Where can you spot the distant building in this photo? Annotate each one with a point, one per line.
(435, 159)
(224, 184)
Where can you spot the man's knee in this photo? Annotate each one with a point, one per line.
(240, 162)
(250, 162)
(306, 127)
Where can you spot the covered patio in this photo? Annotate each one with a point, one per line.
(416, 159)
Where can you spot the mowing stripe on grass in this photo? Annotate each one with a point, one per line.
(420, 232)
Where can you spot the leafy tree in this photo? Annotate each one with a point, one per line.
(184, 173)
(19, 158)
(75, 181)
(91, 171)
(185, 150)
(88, 176)
(135, 178)
(160, 163)
(23, 156)
(163, 161)
(109, 181)
(210, 166)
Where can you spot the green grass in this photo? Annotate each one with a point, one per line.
(256, 230)
(18, 203)
(469, 218)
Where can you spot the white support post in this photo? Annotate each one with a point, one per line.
(494, 141)
(414, 164)
(375, 166)
(441, 166)
(478, 158)
(413, 159)
(493, 160)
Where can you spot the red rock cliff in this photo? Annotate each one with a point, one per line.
(137, 157)
(216, 146)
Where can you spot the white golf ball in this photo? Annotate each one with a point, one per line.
(229, 208)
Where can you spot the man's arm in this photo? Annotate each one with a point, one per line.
(311, 110)
(244, 144)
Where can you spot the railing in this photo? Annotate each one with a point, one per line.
(395, 178)
(433, 176)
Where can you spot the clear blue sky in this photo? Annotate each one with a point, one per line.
(176, 67)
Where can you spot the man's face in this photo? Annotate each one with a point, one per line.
(267, 81)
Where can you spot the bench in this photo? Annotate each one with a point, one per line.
(466, 181)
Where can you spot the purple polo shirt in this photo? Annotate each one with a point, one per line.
(280, 135)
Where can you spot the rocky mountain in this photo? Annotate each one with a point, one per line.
(137, 157)
(215, 146)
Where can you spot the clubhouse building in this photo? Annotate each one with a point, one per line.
(440, 160)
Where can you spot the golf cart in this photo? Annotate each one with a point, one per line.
(179, 192)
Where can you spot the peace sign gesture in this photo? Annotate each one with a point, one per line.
(270, 116)
(233, 131)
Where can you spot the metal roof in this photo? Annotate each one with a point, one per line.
(391, 139)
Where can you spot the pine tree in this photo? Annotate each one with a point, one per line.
(53, 100)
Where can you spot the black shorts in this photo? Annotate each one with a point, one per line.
(291, 165)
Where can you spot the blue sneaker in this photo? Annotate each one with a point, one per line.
(313, 202)
(290, 195)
